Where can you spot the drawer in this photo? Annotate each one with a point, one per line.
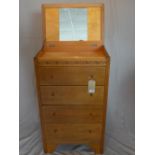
(61, 95)
(71, 75)
(73, 133)
(72, 114)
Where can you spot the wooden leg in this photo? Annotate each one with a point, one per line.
(50, 148)
(98, 148)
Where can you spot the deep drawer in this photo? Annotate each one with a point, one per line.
(71, 75)
(73, 133)
(72, 114)
(61, 95)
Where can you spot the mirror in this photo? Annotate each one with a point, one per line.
(73, 24)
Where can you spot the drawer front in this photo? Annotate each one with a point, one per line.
(71, 75)
(73, 133)
(72, 114)
(61, 95)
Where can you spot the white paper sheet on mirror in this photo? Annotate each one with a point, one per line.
(73, 24)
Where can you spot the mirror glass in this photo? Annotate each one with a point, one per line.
(73, 24)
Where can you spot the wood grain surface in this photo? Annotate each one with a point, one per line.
(71, 75)
(68, 113)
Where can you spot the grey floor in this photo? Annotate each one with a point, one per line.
(73, 150)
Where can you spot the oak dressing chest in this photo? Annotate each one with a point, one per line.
(72, 74)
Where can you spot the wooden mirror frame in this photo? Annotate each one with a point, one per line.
(50, 14)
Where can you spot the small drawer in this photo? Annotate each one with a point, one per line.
(73, 133)
(73, 95)
(72, 114)
(71, 75)
(72, 62)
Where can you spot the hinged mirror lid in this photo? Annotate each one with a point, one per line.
(73, 23)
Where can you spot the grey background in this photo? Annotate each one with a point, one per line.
(119, 41)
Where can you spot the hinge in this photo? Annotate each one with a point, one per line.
(93, 45)
(52, 45)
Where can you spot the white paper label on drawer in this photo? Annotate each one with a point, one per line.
(91, 86)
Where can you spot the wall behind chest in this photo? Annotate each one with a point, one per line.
(119, 41)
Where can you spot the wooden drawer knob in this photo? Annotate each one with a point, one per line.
(91, 76)
(91, 114)
(91, 94)
(53, 114)
(55, 130)
(52, 94)
(90, 131)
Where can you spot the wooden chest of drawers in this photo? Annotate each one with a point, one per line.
(69, 113)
